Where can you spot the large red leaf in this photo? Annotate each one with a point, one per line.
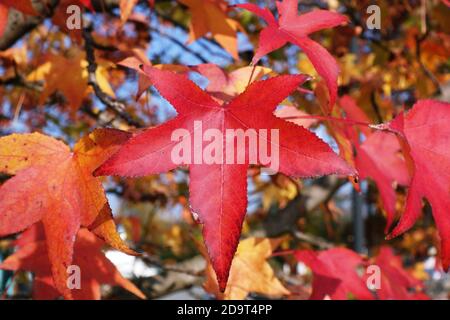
(425, 133)
(295, 28)
(218, 191)
(54, 185)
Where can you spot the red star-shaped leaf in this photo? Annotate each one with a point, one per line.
(295, 29)
(218, 191)
(425, 133)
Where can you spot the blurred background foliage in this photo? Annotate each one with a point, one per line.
(44, 87)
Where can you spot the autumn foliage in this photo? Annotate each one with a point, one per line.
(356, 121)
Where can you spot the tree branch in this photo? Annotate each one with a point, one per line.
(180, 44)
(284, 220)
(178, 268)
(317, 241)
(115, 106)
(428, 73)
(20, 24)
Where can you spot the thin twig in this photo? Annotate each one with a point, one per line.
(317, 241)
(251, 76)
(428, 73)
(19, 81)
(172, 268)
(329, 118)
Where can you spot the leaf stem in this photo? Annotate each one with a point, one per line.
(328, 118)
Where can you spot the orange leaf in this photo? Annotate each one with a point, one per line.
(211, 16)
(55, 186)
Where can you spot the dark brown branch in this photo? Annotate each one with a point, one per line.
(19, 81)
(115, 106)
(20, 24)
(428, 73)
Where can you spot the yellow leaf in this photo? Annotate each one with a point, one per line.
(305, 66)
(250, 272)
(102, 80)
(238, 79)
